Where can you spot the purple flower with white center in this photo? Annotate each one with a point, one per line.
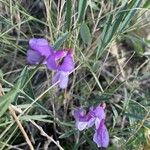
(39, 50)
(94, 116)
(63, 69)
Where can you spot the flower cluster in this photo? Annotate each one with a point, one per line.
(60, 61)
(94, 116)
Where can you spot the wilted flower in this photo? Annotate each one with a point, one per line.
(61, 61)
(94, 116)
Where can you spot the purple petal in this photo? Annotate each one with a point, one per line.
(81, 125)
(63, 80)
(68, 63)
(91, 122)
(62, 77)
(78, 113)
(97, 123)
(101, 136)
(60, 54)
(56, 77)
(79, 116)
(52, 63)
(33, 57)
(90, 118)
(99, 112)
(41, 45)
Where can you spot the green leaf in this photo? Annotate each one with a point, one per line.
(111, 28)
(117, 24)
(68, 13)
(102, 37)
(28, 86)
(85, 33)
(60, 40)
(133, 5)
(81, 10)
(106, 28)
(22, 81)
(6, 100)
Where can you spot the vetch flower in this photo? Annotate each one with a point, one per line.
(60, 61)
(39, 50)
(94, 116)
(63, 69)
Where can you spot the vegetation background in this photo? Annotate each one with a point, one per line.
(111, 42)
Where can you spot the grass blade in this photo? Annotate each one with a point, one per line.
(7, 99)
(134, 5)
(12, 95)
(68, 13)
(81, 10)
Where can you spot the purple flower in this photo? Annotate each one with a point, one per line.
(63, 69)
(61, 61)
(94, 116)
(39, 50)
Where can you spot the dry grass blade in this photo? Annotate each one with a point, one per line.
(1, 91)
(12, 111)
(47, 136)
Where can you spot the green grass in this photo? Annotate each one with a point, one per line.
(110, 42)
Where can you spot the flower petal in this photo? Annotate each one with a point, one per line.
(81, 125)
(52, 63)
(63, 79)
(90, 118)
(41, 45)
(33, 57)
(68, 63)
(56, 77)
(101, 136)
(60, 54)
(91, 122)
(97, 123)
(99, 112)
(78, 113)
